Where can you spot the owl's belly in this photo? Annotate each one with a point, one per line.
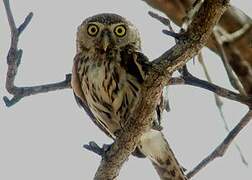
(109, 95)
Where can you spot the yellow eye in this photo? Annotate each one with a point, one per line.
(92, 29)
(120, 30)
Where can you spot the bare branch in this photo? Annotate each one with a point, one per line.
(235, 82)
(222, 148)
(198, 32)
(194, 81)
(218, 101)
(163, 20)
(167, 23)
(21, 92)
(10, 16)
(25, 23)
(219, 105)
(14, 59)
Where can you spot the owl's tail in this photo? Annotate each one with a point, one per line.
(156, 148)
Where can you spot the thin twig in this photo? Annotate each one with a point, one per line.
(194, 81)
(21, 92)
(14, 59)
(235, 82)
(167, 23)
(10, 16)
(25, 23)
(218, 101)
(161, 19)
(222, 148)
(191, 80)
(219, 105)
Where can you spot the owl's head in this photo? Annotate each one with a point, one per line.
(105, 32)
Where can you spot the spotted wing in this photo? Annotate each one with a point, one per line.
(135, 63)
(80, 97)
(138, 65)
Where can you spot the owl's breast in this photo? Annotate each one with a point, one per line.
(110, 92)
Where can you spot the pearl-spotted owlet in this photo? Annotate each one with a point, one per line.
(107, 74)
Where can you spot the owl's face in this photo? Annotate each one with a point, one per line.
(105, 32)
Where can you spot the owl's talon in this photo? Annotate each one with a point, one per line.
(157, 126)
(106, 147)
(93, 147)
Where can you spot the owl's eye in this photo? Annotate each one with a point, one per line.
(120, 30)
(93, 29)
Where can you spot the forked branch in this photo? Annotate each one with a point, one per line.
(222, 148)
(189, 79)
(219, 104)
(14, 59)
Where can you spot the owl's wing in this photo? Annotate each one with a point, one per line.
(80, 97)
(138, 65)
(135, 63)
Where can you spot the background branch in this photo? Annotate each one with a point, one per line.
(222, 148)
(219, 104)
(194, 81)
(235, 82)
(13, 60)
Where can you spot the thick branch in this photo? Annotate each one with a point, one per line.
(137, 124)
(222, 148)
(14, 59)
(196, 36)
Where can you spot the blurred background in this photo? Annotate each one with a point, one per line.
(41, 137)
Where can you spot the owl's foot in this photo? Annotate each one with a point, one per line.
(156, 126)
(93, 147)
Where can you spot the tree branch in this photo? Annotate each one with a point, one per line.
(195, 37)
(197, 34)
(13, 60)
(233, 79)
(219, 105)
(222, 148)
(239, 52)
(194, 81)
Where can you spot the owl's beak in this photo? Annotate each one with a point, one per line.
(105, 43)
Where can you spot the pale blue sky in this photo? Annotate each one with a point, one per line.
(42, 136)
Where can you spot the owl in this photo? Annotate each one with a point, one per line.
(108, 71)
